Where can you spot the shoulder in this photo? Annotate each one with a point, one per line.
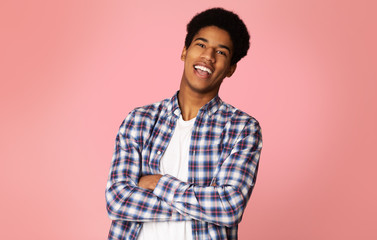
(236, 116)
(143, 118)
(150, 110)
(242, 126)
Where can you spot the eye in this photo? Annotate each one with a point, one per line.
(200, 45)
(221, 52)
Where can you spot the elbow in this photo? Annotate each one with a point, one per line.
(111, 205)
(229, 217)
(116, 201)
(235, 219)
(112, 215)
(110, 209)
(113, 211)
(234, 211)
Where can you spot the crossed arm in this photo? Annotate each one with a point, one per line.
(149, 181)
(131, 197)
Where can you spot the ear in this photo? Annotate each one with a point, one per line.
(232, 69)
(184, 52)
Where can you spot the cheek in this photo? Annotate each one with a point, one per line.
(224, 68)
(187, 63)
(194, 52)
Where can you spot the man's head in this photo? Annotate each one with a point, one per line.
(226, 20)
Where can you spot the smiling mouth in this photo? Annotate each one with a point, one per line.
(204, 71)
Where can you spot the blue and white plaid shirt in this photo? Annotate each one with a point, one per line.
(224, 154)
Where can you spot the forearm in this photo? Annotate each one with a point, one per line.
(221, 205)
(132, 203)
(171, 190)
(149, 182)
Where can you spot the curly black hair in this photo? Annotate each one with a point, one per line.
(225, 20)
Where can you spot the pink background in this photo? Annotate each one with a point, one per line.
(71, 71)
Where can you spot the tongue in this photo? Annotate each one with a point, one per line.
(202, 73)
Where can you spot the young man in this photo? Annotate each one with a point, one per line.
(184, 168)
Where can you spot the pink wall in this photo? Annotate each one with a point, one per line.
(72, 70)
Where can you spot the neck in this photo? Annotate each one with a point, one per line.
(190, 102)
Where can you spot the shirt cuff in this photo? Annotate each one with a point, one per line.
(166, 188)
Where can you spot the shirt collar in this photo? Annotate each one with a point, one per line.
(210, 108)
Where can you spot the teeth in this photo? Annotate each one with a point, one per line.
(203, 69)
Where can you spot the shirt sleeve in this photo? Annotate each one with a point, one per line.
(223, 202)
(125, 200)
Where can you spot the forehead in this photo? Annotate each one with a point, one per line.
(215, 35)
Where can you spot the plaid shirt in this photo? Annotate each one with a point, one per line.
(223, 161)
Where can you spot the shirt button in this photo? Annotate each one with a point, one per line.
(169, 130)
(158, 152)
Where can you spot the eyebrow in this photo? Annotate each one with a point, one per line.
(205, 40)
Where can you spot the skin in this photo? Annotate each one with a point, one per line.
(211, 47)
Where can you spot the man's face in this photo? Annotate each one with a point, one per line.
(207, 60)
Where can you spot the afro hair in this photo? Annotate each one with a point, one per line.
(225, 20)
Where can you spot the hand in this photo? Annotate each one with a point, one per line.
(149, 181)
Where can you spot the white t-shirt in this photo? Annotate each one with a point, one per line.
(175, 163)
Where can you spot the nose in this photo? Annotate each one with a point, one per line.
(209, 54)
